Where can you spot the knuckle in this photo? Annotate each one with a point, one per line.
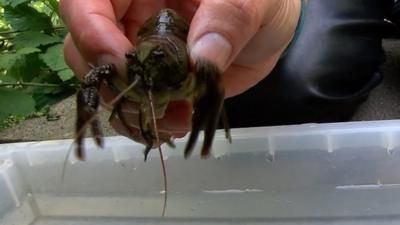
(68, 45)
(245, 10)
(84, 42)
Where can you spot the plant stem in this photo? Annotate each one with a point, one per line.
(10, 32)
(28, 84)
(19, 31)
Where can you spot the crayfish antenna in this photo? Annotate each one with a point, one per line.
(64, 168)
(150, 96)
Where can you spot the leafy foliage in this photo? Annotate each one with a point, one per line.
(8, 95)
(24, 17)
(33, 39)
(55, 61)
(33, 74)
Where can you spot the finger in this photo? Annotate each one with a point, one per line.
(273, 36)
(139, 12)
(74, 59)
(221, 29)
(94, 29)
(234, 81)
(185, 8)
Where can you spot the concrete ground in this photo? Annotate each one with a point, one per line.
(384, 100)
(383, 103)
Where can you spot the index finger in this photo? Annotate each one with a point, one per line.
(95, 30)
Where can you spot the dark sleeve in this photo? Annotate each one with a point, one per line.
(326, 73)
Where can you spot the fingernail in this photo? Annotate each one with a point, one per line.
(213, 47)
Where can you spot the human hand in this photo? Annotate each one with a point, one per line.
(243, 38)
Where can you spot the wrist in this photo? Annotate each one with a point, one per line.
(298, 28)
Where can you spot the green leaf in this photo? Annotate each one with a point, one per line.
(34, 39)
(15, 3)
(14, 102)
(27, 50)
(5, 78)
(7, 60)
(23, 18)
(65, 74)
(54, 6)
(54, 58)
(45, 99)
(3, 3)
(26, 68)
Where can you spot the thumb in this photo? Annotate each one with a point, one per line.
(220, 29)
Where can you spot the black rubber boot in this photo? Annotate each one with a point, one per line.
(327, 72)
(395, 13)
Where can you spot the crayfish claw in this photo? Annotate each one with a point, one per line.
(197, 124)
(97, 133)
(207, 106)
(87, 104)
(88, 100)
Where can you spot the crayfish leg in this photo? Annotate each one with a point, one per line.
(225, 124)
(146, 131)
(88, 100)
(117, 112)
(87, 105)
(146, 134)
(207, 106)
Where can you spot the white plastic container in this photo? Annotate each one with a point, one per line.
(344, 173)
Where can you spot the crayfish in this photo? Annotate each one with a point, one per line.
(158, 72)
